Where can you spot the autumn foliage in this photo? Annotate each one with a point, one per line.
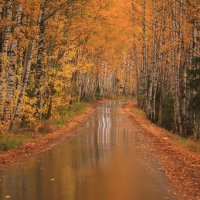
(59, 52)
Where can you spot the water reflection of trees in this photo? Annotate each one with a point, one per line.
(69, 164)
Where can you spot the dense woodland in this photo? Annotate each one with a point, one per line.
(169, 66)
(58, 52)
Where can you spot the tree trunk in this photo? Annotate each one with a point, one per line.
(5, 48)
(12, 54)
(40, 55)
(24, 83)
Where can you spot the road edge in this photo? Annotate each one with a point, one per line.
(181, 165)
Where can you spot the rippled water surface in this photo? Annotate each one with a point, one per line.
(109, 159)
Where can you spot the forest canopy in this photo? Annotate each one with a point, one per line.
(58, 52)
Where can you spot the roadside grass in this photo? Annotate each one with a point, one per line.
(121, 97)
(185, 142)
(137, 111)
(64, 114)
(11, 141)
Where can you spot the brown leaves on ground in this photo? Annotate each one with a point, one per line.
(181, 165)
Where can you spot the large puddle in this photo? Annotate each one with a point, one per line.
(109, 159)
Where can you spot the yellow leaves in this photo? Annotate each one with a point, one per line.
(28, 109)
(4, 59)
(2, 127)
(85, 67)
(66, 71)
(59, 85)
(30, 8)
